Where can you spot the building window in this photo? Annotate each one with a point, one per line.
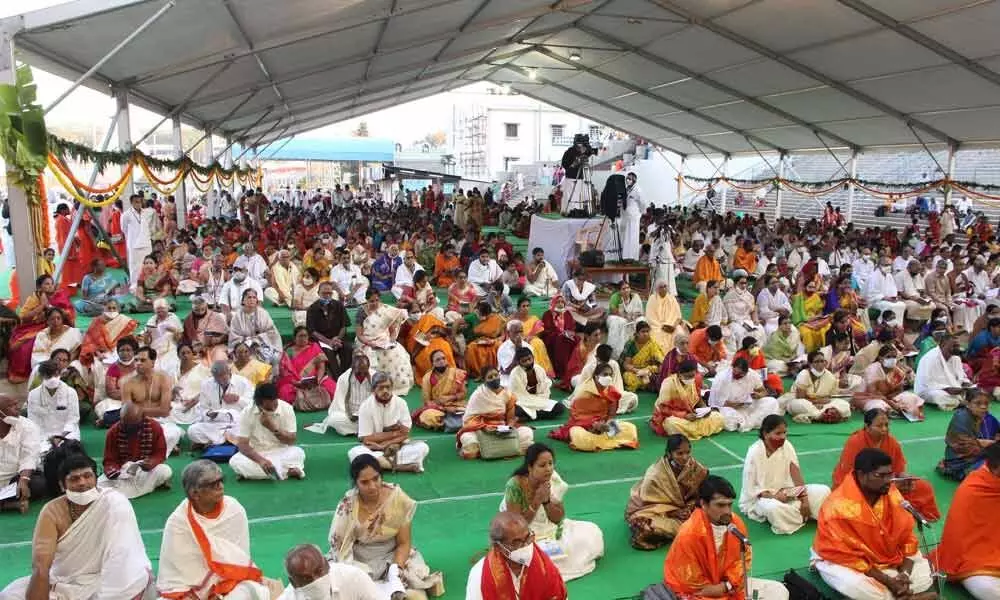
(595, 133)
(558, 131)
(508, 160)
(510, 130)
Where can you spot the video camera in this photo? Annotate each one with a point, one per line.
(584, 139)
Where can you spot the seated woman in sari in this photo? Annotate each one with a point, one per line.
(155, 281)
(641, 360)
(972, 428)
(100, 343)
(98, 287)
(807, 315)
(447, 267)
(59, 335)
(751, 352)
(419, 299)
(303, 380)
(590, 338)
(680, 409)
(875, 434)
(679, 354)
(487, 335)
(665, 497)
(741, 308)
(491, 406)
(253, 326)
(886, 380)
(537, 493)
(533, 333)
(625, 309)
(462, 298)
(378, 331)
(592, 426)
(843, 297)
(372, 529)
(579, 295)
(559, 335)
(838, 355)
(33, 320)
(783, 351)
(304, 295)
(442, 391)
(437, 339)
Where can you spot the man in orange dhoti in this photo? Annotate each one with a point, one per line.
(969, 552)
(875, 434)
(705, 559)
(865, 547)
(514, 567)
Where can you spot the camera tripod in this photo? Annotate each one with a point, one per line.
(586, 199)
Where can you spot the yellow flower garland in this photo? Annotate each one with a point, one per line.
(87, 201)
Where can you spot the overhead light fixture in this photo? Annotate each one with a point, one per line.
(506, 88)
(633, 21)
(575, 56)
(532, 74)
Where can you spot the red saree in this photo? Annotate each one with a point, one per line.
(22, 339)
(294, 368)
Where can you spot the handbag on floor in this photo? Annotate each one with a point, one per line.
(220, 453)
(452, 422)
(493, 445)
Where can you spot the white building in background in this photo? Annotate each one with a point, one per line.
(494, 130)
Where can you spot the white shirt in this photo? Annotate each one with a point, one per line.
(768, 303)
(211, 393)
(257, 268)
(135, 227)
(263, 439)
(56, 412)
(726, 389)
(375, 417)
(481, 274)
(231, 294)
(346, 582)
(345, 277)
(935, 373)
(505, 357)
(473, 586)
(863, 269)
(404, 275)
(20, 449)
(763, 473)
(879, 287)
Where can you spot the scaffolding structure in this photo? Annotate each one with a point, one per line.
(473, 132)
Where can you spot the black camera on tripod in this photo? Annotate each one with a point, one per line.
(584, 140)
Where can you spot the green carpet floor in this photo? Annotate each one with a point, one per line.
(457, 498)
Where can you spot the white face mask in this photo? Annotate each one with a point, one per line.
(126, 362)
(52, 383)
(239, 277)
(522, 556)
(889, 363)
(110, 314)
(84, 498)
(10, 419)
(815, 372)
(319, 589)
(604, 380)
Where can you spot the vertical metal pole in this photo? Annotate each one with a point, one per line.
(725, 186)
(212, 200)
(124, 132)
(680, 186)
(180, 195)
(850, 190)
(17, 199)
(781, 175)
(228, 162)
(950, 174)
(308, 174)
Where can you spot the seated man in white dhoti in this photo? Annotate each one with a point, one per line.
(739, 394)
(880, 291)
(354, 386)
(774, 490)
(507, 351)
(772, 304)
(941, 377)
(910, 283)
(384, 425)
(816, 395)
(865, 546)
(54, 407)
(285, 275)
(580, 299)
(483, 273)
(205, 552)
(692, 256)
(152, 392)
(532, 389)
(403, 277)
(221, 402)
(20, 456)
(86, 544)
(267, 439)
(135, 451)
(348, 280)
(312, 577)
(602, 355)
(541, 278)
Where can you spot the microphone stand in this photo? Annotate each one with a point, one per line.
(935, 574)
(746, 571)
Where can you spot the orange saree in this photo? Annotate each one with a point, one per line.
(481, 353)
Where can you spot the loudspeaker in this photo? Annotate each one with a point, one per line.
(613, 196)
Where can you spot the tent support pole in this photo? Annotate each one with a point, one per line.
(778, 194)
(853, 166)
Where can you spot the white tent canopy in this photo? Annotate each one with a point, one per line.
(693, 76)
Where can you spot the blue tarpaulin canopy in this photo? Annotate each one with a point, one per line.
(332, 149)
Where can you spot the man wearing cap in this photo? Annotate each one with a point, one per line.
(231, 296)
(202, 320)
(284, 275)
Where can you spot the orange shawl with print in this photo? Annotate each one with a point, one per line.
(102, 336)
(693, 561)
(539, 581)
(969, 543)
(855, 535)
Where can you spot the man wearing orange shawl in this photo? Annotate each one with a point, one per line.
(745, 258)
(875, 434)
(707, 347)
(513, 551)
(865, 547)
(104, 332)
(969, 552)
(443, 394)
(705, 559)
(446, 264)
(707, 269)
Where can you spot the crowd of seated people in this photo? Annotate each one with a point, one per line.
(789, 319)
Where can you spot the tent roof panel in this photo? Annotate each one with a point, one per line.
(982, 124)
(905, 10)
(636, 69)
(878, 53)
(762, 76)
(971, 32)
(933, 89)
(822, 103)
(700, 50)
(801, 23)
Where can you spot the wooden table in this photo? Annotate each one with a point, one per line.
(626, 270)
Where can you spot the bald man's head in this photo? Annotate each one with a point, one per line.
(8, 406)
(305, 564)
(508, 528)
